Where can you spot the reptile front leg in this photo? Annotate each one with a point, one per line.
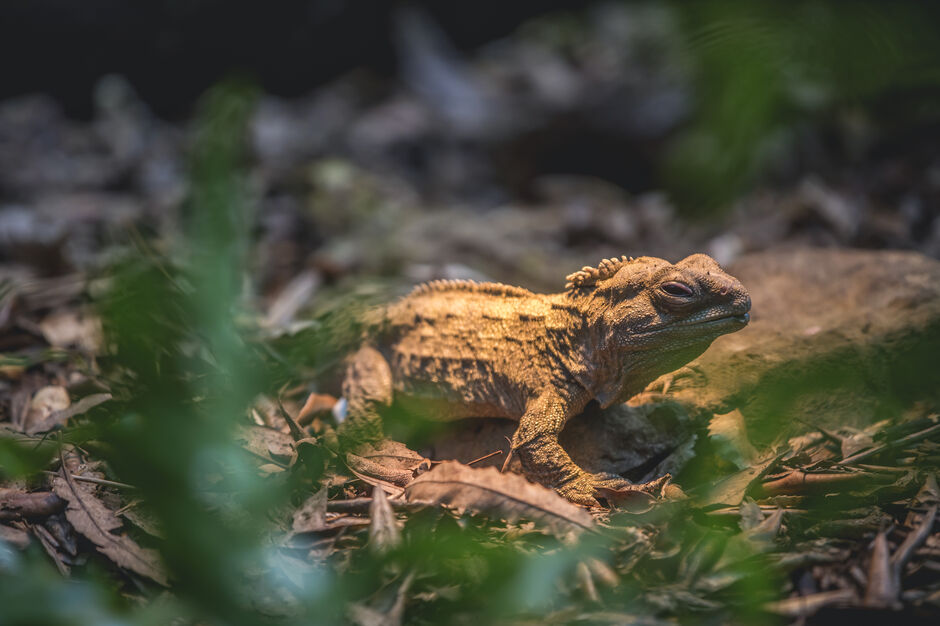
(544, 460)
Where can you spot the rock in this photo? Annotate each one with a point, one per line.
(837, 337)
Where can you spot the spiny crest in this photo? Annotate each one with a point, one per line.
(473, 286)
(588, 276)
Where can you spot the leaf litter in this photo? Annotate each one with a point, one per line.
(827, 519)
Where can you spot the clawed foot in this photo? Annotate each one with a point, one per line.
(585, 488)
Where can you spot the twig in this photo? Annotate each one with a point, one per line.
(900, 443)
(508, 456)
(797, 482)
(483, 458)
(93, 480)
(361, 505)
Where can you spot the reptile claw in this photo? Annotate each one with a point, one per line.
(584, 489)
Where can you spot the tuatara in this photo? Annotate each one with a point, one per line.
(465, 349)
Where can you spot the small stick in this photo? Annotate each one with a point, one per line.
(483, 458)
(900, 443)
(96, 481)
(508, 457)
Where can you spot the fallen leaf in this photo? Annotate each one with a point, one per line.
(95, 521)
(60, 417)
(883, 587)
(731, 489)
(389, 478)
(804, 606)
(394, 455)
(383, 531)
(65, 329)
(311, 516)
(265, 442)
(14, 536)
(45, 402)
(383, 611)
(630, 500)
(316, 404)
(728, 434)
(856, 442)
(508, 495)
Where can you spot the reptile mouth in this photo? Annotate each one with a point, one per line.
(738, 319)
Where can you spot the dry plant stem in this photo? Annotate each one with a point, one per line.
(483, 458)
(94, 481)
(509, 456)
(797, 482)
(361, 505)
(900, 443)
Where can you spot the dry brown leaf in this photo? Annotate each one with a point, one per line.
(804, 606)
(394, 455)
(46, 401)
(387, 611)
(64, 329)
(316, 403)
(95, 521)
(731, 489)
(883, 587)
(389, 478)
(311, 516)
(383, 530)
(508, 495)
(60, 417)
(14, 536)
(265, 442)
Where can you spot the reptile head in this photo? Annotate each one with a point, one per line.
(650, 317)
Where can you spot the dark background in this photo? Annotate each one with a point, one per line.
(172, 50)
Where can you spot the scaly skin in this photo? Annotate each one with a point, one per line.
(463, 349)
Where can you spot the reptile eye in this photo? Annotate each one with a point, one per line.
(677, 289)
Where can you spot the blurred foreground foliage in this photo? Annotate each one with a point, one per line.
(784, 87)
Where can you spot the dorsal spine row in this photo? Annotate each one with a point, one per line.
(588, 276)
(497, 289)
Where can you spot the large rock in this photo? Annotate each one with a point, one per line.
(837, 337)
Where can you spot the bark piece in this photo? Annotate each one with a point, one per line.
(16, 504)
